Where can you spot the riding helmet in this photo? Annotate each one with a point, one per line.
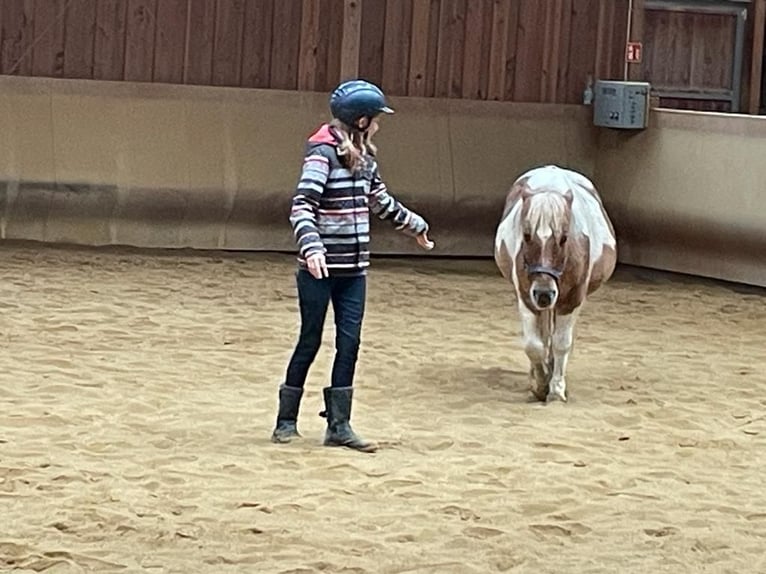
(356, 99)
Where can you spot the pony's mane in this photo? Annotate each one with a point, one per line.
(547, 209)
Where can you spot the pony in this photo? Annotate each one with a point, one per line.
(556, 244)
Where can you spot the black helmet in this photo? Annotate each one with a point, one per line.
(356, 99)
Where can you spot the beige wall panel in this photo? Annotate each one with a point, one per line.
(154, 165)
(689, 194)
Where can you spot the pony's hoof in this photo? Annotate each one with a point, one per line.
(539, 393)
(555, 396)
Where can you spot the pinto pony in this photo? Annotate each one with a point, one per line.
(556, 244)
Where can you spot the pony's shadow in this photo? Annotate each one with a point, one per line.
(510, 385)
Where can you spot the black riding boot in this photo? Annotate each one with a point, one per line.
(287, 419)
(337, 411)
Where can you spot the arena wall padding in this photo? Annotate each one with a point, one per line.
(102, 163)
(152, 165)
(689, 194)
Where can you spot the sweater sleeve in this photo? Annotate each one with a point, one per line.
(308, 192)
(387, 207)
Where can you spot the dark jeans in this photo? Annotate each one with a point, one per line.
(348, 296)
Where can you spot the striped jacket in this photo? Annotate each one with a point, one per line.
(331, 207)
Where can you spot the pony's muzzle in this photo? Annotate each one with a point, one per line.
(544, 293)
(543, 298)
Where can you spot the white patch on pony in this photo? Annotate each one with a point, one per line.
(563, 336)
(546, 214)
(506, 239)
(590, 222)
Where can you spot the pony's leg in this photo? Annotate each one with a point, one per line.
(563, 336)
(545, 321)
(535, 350)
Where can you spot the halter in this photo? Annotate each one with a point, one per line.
(555, 273)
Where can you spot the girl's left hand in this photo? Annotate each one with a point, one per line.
(424, 242)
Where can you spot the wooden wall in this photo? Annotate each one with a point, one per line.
(693, 52)
(513, 50)
(689, 48)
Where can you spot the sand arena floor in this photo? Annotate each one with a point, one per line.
(138, 391)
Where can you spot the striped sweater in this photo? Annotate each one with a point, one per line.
(331, 208)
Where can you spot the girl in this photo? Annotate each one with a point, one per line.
(338, 187)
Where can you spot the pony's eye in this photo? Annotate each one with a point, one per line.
(527, 237)
(563, 239)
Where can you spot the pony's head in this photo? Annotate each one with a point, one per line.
(545, 219)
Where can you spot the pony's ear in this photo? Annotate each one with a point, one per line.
(569, 196)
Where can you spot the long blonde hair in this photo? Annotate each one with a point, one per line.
(354, 145)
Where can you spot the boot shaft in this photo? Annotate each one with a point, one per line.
(286, 428)
(337, 402)
(289, 402)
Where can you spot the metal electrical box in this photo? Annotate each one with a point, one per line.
(621, 105)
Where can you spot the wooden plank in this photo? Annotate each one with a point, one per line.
(650, 46)
(396, 46)
(636, 34)
(605, 50)
(442, 82)
(419, 36)
(551, 45)
(530, 49)
(172, 16)
(548, 38)
(700, 32)
(329, 34)
(512, 51)
(139, 40)
(17, 28)
(227, 43)
(457, 46)
(472, 49)
(756, 64)
(486, 45)
(80, 24)
(48, 52)
(678, 57)
(564, 52)
(198, 64)
(449, 61)
(501, 11)
(601, 24)
(109, 50)
(335, 22)
(284, 45)
(433, 47)
(256, 55)
(309, 60)
(618, 68)
(351, 46)
(581, 48)
(371, 42)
